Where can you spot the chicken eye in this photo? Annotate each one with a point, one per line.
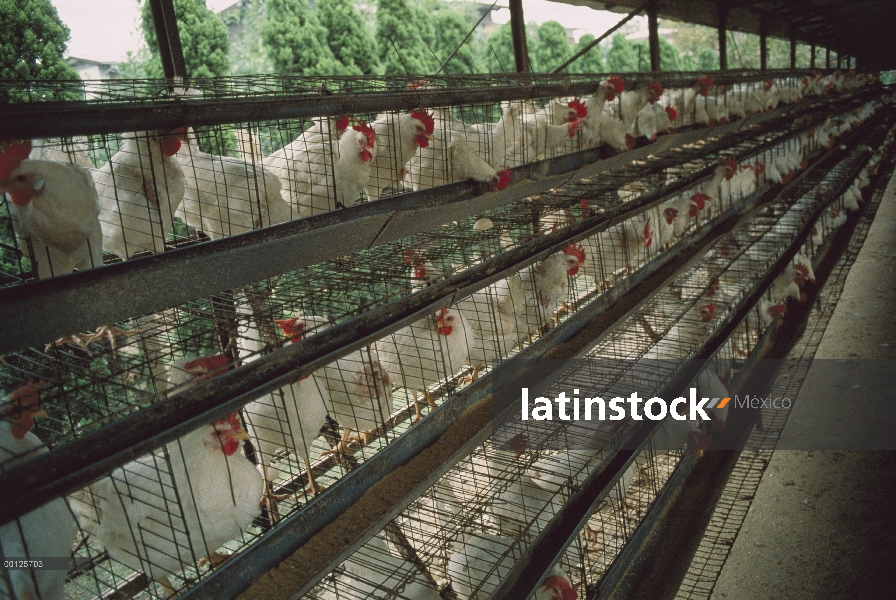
(20, 178)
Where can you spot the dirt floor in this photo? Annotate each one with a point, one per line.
(823, 522)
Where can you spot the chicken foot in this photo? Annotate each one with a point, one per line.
(342, 446)
(429, 401)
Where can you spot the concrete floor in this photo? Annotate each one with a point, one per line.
(823, 522)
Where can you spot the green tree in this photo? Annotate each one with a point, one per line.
(295, 40)
(499, 49)
(348, 36)
(451, 28)
(203, 37)
(552, 47)
(248, 54)
(590, 62)
(398, 26)
(32, 41)
(622, 55)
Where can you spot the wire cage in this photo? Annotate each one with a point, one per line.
(475, 523)
(145, 520)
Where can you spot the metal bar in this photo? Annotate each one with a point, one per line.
(812, 60)
(601, 38)
(722, 7)
(529, 570)
(653, 36)
(172, 39)
(49, 309)
(792, 46)
(518, 31)
(158, 21)
(827, 58)
(60, 119)
(763, 41)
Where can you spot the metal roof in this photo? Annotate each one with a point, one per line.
(861, 29)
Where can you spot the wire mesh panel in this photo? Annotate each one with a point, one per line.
(475, 523)
(149, 515)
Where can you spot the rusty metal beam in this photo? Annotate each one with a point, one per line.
(653, 37)
(168, 38)
(723, 9)
(518, 30)
(763, 41)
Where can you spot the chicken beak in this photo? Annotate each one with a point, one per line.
(40, 413)
(242, 434)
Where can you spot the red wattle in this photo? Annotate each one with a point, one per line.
(21, 198)
(422, 141)
(170, 146)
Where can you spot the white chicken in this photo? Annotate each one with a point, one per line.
(481, 562)
(425, 352)
(634, 101)
(48, 530)
(490, 315)
(54, 211)
(686, 105)
(326, 167)
(398, 138)
(453, 154)
(289, 418)
(140, 189)
(180, 504)
(535, 294)
(359, 387)
(226, 196)
(594, 105)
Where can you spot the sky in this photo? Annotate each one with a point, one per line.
(105, 30)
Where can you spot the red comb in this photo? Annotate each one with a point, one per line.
(731, 165)
(705, 81)
(232, 419)
(416, 84)
(368, 132)
(440, 321)
(670, 213)
(580, 109)
(28, 405)
(519, 443)
(575, 251)
(555, 582)
(777, 311)
(293, 328)
(656, 88)
(700, 200)
(425, 118)
(673, 114)
(503, 179)
(586, 208)
(342, 123)
(768, 84)
(11, 156)
(647, 237)
(206, 364)
(617, 83)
